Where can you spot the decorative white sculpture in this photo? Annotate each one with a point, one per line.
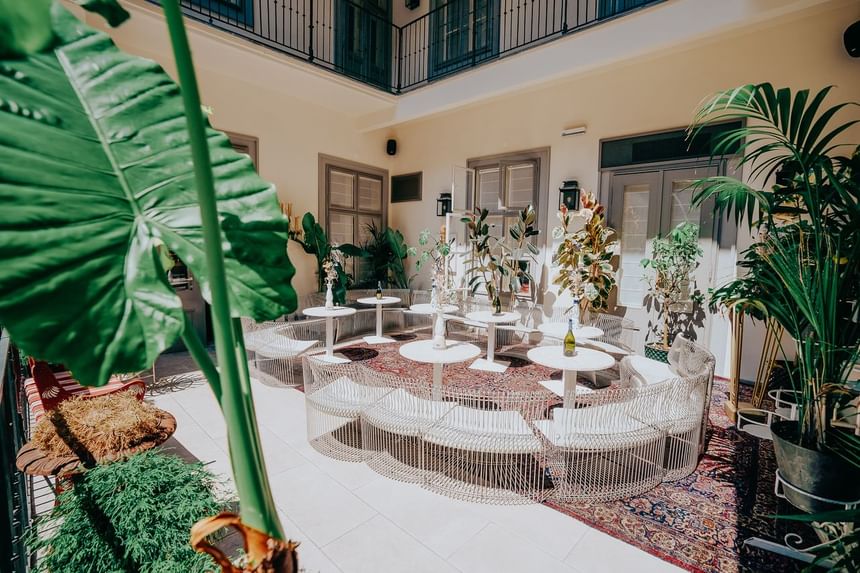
(439, 330)
(329, 297)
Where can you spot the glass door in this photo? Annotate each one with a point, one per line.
(641, 206)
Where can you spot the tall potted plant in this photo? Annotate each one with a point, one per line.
(314, 241)
(804, 269)
(669, 270)
(496, 263)
(584, 257)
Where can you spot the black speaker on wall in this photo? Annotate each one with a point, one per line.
(391, 146)
(852, 40)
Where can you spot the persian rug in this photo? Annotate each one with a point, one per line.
(698, 523)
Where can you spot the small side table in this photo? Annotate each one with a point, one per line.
(585, 360)
(559, 330)
(330, 314)
(379, 302)
(489, 364)
(423, 351)
(427, 308)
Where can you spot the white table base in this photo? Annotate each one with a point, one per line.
(329, 344)
(436, 389)
(489, 363)
(376, 339)
(567, 391)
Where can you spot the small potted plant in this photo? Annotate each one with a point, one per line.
(672, 262)
(584, 258)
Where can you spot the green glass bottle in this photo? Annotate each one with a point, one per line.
(378, 290)
(569, 339)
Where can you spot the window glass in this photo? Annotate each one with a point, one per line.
(634, 236)
(341, 191)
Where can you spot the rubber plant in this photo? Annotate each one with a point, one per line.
(584, 257)
(107, 164)
(497, 262)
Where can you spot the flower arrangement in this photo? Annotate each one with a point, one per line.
(585, 256)
(439, 251)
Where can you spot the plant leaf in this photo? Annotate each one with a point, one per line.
(97, 176)
(25, 27)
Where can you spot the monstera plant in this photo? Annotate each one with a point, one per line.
(107, 164)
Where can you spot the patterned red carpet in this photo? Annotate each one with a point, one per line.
(698, 523)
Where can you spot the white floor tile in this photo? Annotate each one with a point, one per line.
(312, 559)
(598, 552)
(379, 546)
(550, 530)
(318, 504)
(494, 550)
(442, 524)
(351, 475)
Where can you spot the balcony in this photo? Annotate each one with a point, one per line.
(360, 40)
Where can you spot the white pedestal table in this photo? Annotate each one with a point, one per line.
(584, 360)
(491, 320)
(330, 314)
(454, 351)
(379, 302)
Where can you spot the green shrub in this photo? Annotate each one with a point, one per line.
(128, 516)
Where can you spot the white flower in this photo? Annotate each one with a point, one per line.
(586, 214)
(557, 233)
(591, 291)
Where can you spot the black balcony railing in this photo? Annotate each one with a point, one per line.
(14, 485)
(356, 38)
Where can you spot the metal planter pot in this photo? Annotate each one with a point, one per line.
(655, 351)
(821, 474)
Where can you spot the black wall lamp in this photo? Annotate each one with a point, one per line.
(443, 204)
(412, 4)
(569, 195)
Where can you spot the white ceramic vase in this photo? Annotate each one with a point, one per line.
(439, 331)
(329, 297)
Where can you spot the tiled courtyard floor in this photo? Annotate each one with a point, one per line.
(349, 519)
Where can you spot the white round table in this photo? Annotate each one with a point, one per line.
(585, 360)
(427, 308)
(330, 314)
(379, 302)
(559, 330)
(454, 351)
(489, 364)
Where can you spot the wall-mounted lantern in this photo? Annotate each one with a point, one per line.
(412, 4)
(569, 195)
(443, 204)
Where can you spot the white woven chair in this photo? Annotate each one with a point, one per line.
(393, 426)
(413, 321)
(335, 396)
(485, 449)
(275, 347)
(686, 360)
(612, 448)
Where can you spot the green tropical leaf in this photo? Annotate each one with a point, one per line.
(96, 178)
(25, 27)
(110, 10)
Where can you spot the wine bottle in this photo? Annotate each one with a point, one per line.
(569, 339)
(378, 290)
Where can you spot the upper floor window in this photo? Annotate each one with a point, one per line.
(233, 11)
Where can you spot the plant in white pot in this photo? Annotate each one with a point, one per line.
(806, 271)
(673, 260)
(584, 258)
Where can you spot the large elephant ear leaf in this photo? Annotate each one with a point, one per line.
(96, 178)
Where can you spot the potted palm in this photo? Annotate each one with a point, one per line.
(584, 258)
(804, 269)
(670, 267)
